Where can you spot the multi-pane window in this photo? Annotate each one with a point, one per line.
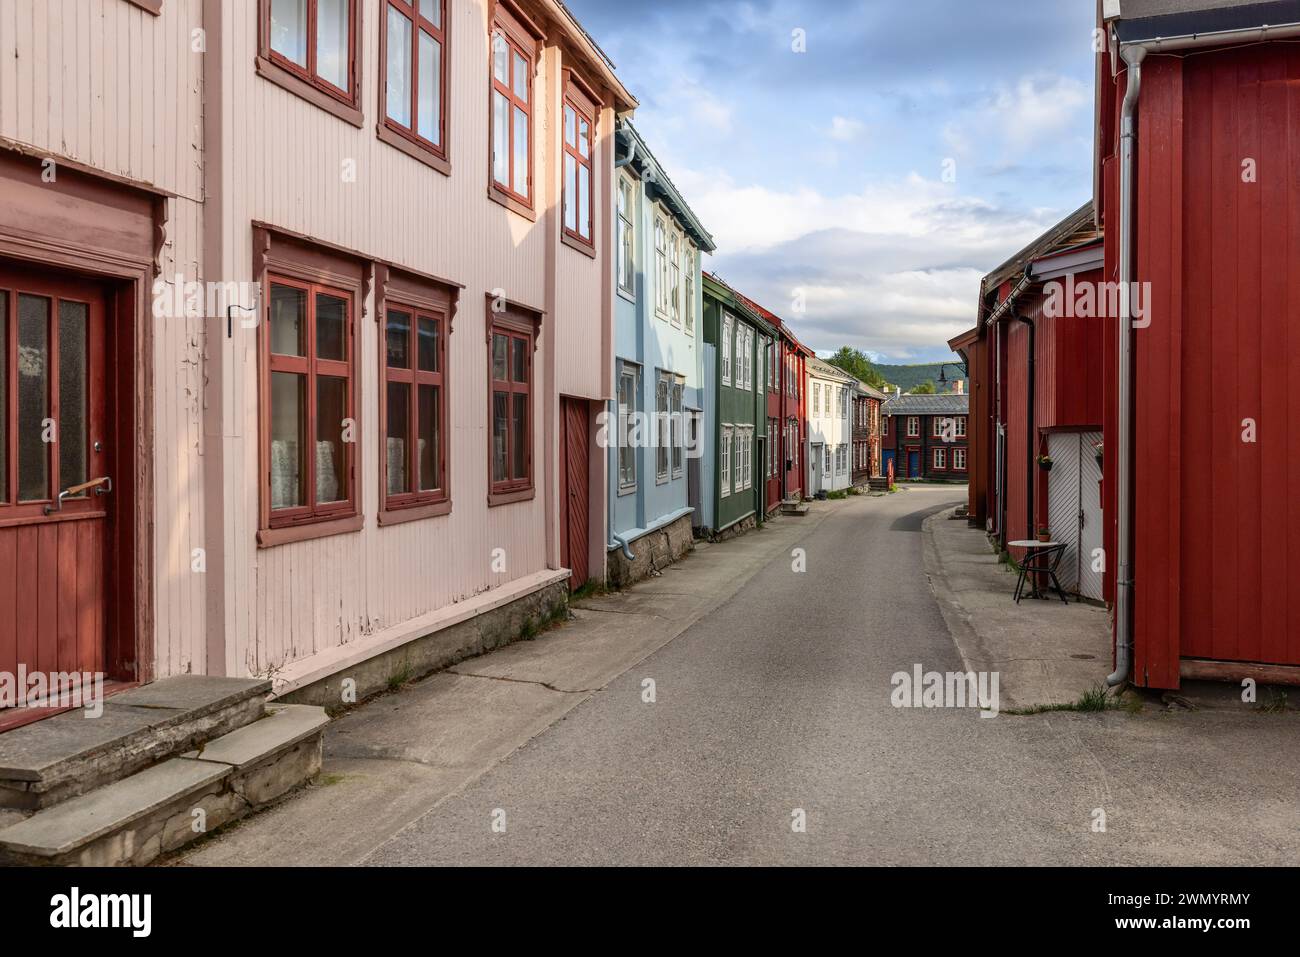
(512, 120)
(309, 393)
(747, 463)
(940, 458)
(817, 398)
(628, 390)
(727, 327)
(415, 76)
(674, 279)
(510, 363)
(315, 41)
(961, 427)
(663, 425)
(579, 136)
(827, 457)
(415, 406)
(749, 359)
(913, 426)
(724, 460)
(959, 459)
(626, 236)
(678, 394)
(661, 266)
(690, 290)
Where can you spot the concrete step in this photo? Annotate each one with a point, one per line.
(798, 511)
(50, 761)
(136, 819)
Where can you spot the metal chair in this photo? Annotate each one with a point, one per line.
(1042, 561)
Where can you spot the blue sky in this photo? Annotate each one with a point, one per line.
(823, 171)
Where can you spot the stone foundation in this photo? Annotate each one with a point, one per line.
(654, 551)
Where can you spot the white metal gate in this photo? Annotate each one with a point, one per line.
(1074, 510)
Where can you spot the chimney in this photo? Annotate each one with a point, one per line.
(959, 387)
(898, 391)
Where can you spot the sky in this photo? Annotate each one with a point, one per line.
(876, 176)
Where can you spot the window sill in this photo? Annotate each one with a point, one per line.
(148, 6)
(288, 534)
(510, 497)
(414, 513)
(412, 149)
(500, 196)
(625, 490)
(587, 249)
(273, 72)
(629, 296)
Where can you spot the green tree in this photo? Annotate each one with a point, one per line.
(925, 388)
(856, 364)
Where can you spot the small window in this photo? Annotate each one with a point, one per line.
(513, 57)
(690, 290)
(663, 426)
(678, 395)
(626, 236)
(661, 266)
(817, 398)
(310, 46)
(724, 460)
(510, 376)
(579, 145)
(309, 398)
(726, 349)
(913, 426)
(940, 458)
(674, 279)
(415, 73)
(961, 427)
(628, 390)
(959, 460)
(414, 400)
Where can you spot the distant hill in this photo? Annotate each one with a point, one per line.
(909, 377)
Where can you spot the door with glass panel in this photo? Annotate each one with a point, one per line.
(56, 474)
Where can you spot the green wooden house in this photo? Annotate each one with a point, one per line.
(737, 344)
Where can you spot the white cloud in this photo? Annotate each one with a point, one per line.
(845, 130)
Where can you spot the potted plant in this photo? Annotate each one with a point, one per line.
(1045, 463)
(1044, 533)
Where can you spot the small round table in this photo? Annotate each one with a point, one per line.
(1031, 545)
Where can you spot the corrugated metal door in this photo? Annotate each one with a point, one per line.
(1063, 503)
(1091, 571)
(575, 487)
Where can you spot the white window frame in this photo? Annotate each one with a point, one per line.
(690, 290)
(676, 400)
(674, 278)
(939, 462)
(661, 265)
(959, 460)
(627, 235)
(628, 371)
(960, 430)
(663, 425)
(724, 460)
(727, 326)
(913, 426)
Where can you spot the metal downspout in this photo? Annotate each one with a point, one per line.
(1133, 58)
(609, 508)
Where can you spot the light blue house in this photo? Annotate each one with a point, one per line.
(656, 428)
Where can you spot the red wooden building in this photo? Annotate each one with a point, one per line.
(1197, 189)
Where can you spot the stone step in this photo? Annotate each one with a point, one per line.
(136, 819)
(798, 511)
(49, 761)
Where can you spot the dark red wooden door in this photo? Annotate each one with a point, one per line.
(575, 486)
(54, 422)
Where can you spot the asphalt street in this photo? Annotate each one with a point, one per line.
(775, 710)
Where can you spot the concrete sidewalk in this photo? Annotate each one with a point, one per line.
(1046, 652)
(397, 756)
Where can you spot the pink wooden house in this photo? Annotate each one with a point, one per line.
(317, 296)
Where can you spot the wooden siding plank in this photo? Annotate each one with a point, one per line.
(8, 600)
(66, 595)
(26, 597)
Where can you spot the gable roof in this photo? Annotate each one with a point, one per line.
(1077, 229)
(637, 154)
(827, 371)
(947, 403)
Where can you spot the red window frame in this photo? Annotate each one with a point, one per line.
(307, 74)
(520, 40)
(428, 502)
(312, 367)
(391, 131)
(517, 329)
(584, 110)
